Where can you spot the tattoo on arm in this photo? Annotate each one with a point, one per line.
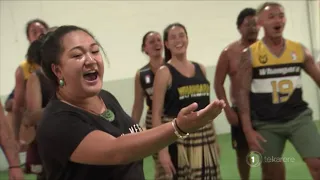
(244, 79)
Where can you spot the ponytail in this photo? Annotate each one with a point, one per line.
(34, 51)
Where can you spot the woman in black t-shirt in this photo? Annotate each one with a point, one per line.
(180, 83)
(84, 133)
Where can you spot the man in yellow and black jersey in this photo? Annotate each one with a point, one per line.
(228, 65)
(270, 101)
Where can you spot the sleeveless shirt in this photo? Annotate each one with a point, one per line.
(185, 91)
(47, 88)
(146, 81)
(276, 88)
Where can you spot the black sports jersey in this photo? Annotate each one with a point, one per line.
(146, 81)
(276, 88)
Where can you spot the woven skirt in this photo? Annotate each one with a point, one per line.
(194, 158)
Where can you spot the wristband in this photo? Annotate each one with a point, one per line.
(179, 128)
(176, 131)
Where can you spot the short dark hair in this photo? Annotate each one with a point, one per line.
(29, 23)
(243, 14)
(264, 5)
(52, 49)
(167, 52)
(144, 38)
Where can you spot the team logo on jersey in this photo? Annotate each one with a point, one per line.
(263, 59)
(294, 56)
(147, 79)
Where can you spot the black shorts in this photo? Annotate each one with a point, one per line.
(238, 138)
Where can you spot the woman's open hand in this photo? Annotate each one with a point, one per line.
(189, 121)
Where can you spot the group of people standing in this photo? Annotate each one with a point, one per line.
(76, 130)
(268, 100)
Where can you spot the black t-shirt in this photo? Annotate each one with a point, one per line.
(63, 127)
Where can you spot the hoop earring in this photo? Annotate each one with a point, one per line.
(61, 82)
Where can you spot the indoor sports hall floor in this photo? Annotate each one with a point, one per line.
(295, 170)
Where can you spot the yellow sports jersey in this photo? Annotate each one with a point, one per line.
(276, 88)
(28, 68)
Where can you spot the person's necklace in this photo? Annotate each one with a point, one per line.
(107, 114)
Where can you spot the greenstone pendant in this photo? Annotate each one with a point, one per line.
(108, 115)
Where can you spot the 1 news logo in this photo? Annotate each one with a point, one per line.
(254, 159)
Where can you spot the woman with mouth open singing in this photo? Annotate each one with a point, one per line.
(84, 133)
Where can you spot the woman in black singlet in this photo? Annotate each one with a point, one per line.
(39, 91)
(179, 84)
(153, 47)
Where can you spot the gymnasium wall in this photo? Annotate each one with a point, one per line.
(119, 26)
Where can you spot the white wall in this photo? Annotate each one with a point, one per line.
(119, 26)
